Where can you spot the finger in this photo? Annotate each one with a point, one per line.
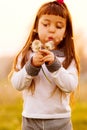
(44, 51)
(37, 61)
(38, 56)
(48, 58)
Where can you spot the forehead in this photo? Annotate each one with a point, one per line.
(52, 18)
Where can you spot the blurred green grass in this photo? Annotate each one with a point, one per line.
(10, 117)
(11, 109)
(79, 116)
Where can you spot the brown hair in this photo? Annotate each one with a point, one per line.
(67, 43)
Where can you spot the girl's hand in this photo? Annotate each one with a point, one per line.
(37, 59)
(48, 56)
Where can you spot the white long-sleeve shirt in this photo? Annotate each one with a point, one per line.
(50, 100)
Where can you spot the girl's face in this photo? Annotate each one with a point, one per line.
(51, 27)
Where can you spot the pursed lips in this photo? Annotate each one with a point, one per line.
(50, 38)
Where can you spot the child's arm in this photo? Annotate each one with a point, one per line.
(65, 79)
(21, 80)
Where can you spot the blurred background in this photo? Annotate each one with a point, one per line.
(16, 19)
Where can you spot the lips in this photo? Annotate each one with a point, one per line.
(50, 38)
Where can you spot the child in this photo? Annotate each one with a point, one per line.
(47, 77)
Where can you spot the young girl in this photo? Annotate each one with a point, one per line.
(47, 77)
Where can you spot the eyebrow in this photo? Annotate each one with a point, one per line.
(46, 20)
(61, 22)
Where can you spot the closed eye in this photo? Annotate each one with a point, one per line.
(45, 24)
(58, 27)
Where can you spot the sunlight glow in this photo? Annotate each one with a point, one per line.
(16, 19)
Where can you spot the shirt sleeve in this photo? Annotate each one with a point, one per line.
(20, 79)
(32, 70)
(66, 79)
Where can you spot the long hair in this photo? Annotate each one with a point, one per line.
(67, 44)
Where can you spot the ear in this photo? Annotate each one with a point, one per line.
(37, 29)
(34, 30)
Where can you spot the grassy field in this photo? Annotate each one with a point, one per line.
(11, 108)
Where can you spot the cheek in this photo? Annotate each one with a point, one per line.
(64, 31)
(41, 32)
(61, 33)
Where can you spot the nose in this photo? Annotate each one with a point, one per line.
(52, 28)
